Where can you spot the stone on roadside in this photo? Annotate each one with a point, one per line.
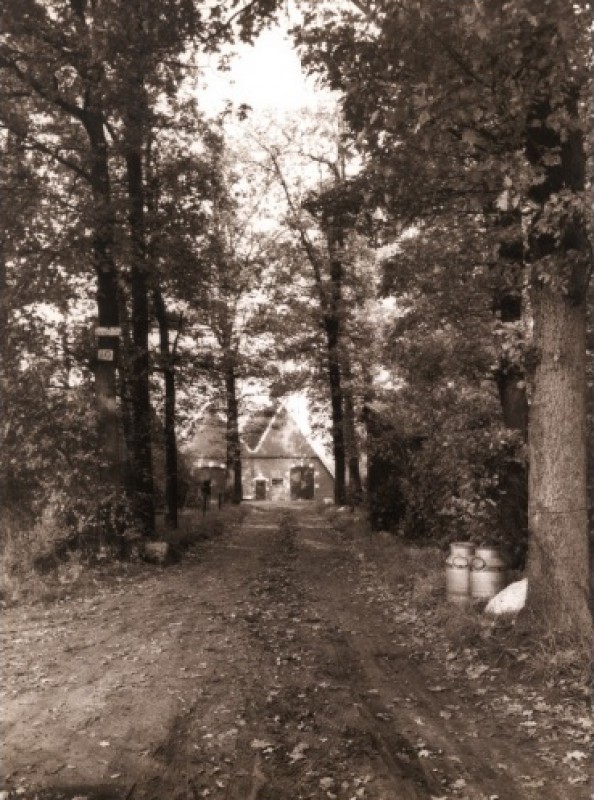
(156, 552)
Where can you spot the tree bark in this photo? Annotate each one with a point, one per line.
(355, 485)
(91, 116)
(332, 315)
(103, 242)
(336, 403)
(139, 279)
(558, 560)
(558, 557)
(169, 435)
(127, 418)
(233, 440)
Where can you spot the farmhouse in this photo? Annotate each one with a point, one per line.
(279, 462)
(283, 464)
(206, 453)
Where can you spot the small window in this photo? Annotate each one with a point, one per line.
(277, 481)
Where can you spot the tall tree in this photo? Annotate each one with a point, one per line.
(91, 76)
(485, 99)
(57, 63)
(323, 221)
(235, 258)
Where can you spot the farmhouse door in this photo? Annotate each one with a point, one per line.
(277, 490)
(260, 490)
(302, 483)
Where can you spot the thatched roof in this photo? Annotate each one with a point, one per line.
(209, 437)
(256, 426)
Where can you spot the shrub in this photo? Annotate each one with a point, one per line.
(33, 563)
(448, 472)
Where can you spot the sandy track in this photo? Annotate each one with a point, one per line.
(271, 664)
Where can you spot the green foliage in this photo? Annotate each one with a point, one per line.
(85, 77)
(47, 441)
(72, 531)
(51, 473)
(451, 489)
(442, 456)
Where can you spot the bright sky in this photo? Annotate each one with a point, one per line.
(267, 76)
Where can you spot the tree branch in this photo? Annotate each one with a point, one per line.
(304, 238)
(53, 98)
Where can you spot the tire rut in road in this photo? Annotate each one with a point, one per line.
(464, 749)
(312, 732)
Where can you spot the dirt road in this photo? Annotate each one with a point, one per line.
(273, 663)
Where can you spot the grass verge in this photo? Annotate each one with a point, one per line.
(519, 644)
(37, 567)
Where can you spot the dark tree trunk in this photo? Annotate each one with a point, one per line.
(103, 244)
(233, 440)
(558, 557)
(103, 240)
(170, 439)
(332, 319)
(336, 403)
(510, 378)
(355, 486)
(171, 471)
(127, 418)
(140, 365)
(558, 560)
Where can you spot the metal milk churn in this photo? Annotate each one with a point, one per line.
(487, 573)
(458, 571)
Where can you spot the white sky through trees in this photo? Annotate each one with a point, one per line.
(266, 75)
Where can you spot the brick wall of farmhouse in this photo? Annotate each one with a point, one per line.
(276, 472)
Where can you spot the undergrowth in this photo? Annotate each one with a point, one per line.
(39, 563)
(34, 562)
(195, 527)
(520, 643)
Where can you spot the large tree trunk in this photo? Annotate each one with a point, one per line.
(140, 365)
(108, 423)
(233, 440)
(170, 439)
(103, 242)
(337, 409)
(171, 467)
(355, 485)
(558, 562)
(127, 418)
(91, 115)
(332, 317)
(558, 558)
